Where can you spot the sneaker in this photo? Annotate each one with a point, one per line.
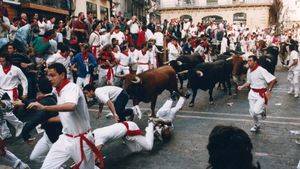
(291, 91)
(264, 114)
(23, 166)
(255, 128)
(108, 115)
(19, 130)
(187, 94)
(296, 95)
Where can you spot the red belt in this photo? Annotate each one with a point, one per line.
(15, 93)
(132, 132)
(90, 144)
(262, 93)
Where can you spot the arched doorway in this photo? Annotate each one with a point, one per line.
(240, 18)
(212, 18)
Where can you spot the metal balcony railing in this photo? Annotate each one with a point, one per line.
(61, 4)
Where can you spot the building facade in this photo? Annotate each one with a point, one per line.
(290, 13)
(99, 8)
(253, 13)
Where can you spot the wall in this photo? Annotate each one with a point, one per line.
(256, 16)
(80, 6)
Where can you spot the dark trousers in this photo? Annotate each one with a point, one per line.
(120, 104)
(134, 37)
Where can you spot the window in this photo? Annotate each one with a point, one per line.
(103, 12)
(91, 7)
(212, 2)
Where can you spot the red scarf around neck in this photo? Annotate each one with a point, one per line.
(85, 55)
(6, 69)
(254, 68)
(62, 85)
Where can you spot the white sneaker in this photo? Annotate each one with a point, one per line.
(138, 112)
(291, 91)
(23, 166)
(296, 95)
(108, 115)
(255, 128)
(19, 130)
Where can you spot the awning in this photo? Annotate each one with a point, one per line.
(45, 8)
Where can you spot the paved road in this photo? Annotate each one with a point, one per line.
(274, 147)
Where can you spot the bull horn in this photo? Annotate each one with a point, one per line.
(165, 63)
(183, 72)
(230, 58)
(120, 75)
(136, 80)
(179, 63)
(199, 73)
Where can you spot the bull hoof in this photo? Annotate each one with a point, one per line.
(191, 105)
(211, 102)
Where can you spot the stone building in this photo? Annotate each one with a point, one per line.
(290, 13)
(100, 8)
(253, 13)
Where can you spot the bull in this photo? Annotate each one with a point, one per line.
(185, 62)
(205, 76)
(146, 86)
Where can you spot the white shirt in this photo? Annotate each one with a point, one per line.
(293, 56)
(124, 60)
(58, 58)
(119, 36)
(259, 78)
(77, 121)
(144, 59)
(173, 51)
(106, 93)
(133, 55)
(149, 34)
(112, 132)
(12, 79)
(95, 39)
(159, 38)
(42, 27)
(49, 25)
(133, 27)
(105, 39)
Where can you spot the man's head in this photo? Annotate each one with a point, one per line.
(44, 86)
(24, 16)
(230, 147)
(4, 60)
(252, 61)
(166, 133)
(56, 73)
(11, 48)
(89, 91)
(85, 48)
(64, 50)
(81, 16)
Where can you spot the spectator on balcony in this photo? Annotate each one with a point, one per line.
(42, 25)
(80, 28)
(50, 23)
(23, 19)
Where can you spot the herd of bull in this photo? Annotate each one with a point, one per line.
(227, 68)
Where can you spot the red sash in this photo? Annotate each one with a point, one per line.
(132, 132)
(90, 144)
(262, 93)
(109, 74)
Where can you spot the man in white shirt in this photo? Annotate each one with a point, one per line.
(62, 56)
(11, 77)
(117, 34)
(123, 60)
(294, 69)
(261, 83)
(174, 49)
(114, 97)
(77, 141)
(133, 28)
(131, 133)
(144, 59)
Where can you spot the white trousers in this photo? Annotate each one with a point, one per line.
(12, 160)
(257, 105)
(166, 112)
(122, 70)
(66, 147)
(102, 76)
(41, 149)
(293, 78)
(139, 143)
(142, 68)
(81, 82)
(11, 118)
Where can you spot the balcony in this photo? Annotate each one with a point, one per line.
(60, 4)
(55, 6)
(210, 3)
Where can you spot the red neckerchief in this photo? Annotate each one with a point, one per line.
(97, 33)
(62, 85)
(254, 68)
(6, 69)
(125, 53)
(46, 39)
(144, 53)
(85, 55)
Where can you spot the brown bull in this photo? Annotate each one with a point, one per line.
(146, 86)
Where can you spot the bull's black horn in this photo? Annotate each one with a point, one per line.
(179, 63)
(165, 63)
(136, 80)
(183, 72)
(230, 58)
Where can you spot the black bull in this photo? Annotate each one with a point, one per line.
(146, 86)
